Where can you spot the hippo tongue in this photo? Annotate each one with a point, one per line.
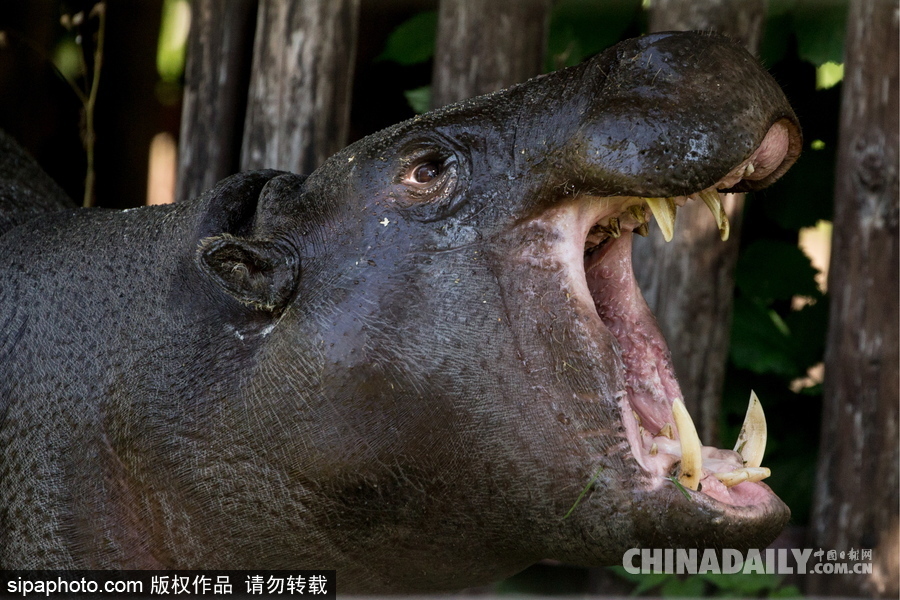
(657, 424)
(651, 383)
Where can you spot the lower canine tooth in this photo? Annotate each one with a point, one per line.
(691, 460)
(757, 473)
(751, 441)
(733, 478)
(741, 475)
(664, 211)
(712, 200)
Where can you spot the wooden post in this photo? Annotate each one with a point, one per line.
(856, 499)
(689, 282)
(298, 107)
(215, 93)
(486, 46)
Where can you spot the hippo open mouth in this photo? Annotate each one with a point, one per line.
(659, 429)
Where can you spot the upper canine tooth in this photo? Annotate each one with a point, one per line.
(712, 200)
(664, 211)
(751, 441)
(691, 460)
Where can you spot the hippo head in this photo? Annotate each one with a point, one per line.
(457, 375)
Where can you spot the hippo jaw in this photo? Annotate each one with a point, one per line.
(722, 503)
(607, 283)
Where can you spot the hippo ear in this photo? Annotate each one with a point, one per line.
(257, 273)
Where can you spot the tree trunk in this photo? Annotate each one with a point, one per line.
(215, 93)
(486, 46)
(689, 282)
(741, 21)
(856, 501)
(299, 100)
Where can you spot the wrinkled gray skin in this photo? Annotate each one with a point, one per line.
(356, 371)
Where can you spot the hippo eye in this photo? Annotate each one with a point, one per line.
(428, 179)
(426, 173)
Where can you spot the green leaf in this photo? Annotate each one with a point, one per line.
(690, 587)
(621, 572)
(808, 328)
(413, 40)
(805, 195)
(788, 591)
(419, 99)
(774, 270)
(776, 37)
(584, 491)
(582, 28)
(757, 343)
(649, 581)
(793, 480)
(820, 26)
(680, 487)
(741, 584)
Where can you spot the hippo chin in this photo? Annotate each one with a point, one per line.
(427, 365)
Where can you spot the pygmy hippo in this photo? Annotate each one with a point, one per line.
(427, 365)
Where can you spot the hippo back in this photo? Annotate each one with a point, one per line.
(25, 190)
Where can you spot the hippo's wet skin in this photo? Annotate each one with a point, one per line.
(407, 367)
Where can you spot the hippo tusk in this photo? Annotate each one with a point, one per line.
(691, 460)
(664, 211)
(751, 441)
(752, 474)
(714, 202)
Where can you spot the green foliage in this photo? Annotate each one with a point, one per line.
(759, 342)
(762, 340)
(413, 41)
(816, 26)
(545, 580)
(735, 585)
(578, 29)
(581, 28)
(774, 270)
(804, 195)
(419, 98)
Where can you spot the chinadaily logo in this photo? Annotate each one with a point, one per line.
(782, 561)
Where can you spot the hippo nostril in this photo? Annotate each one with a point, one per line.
(778, 150)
